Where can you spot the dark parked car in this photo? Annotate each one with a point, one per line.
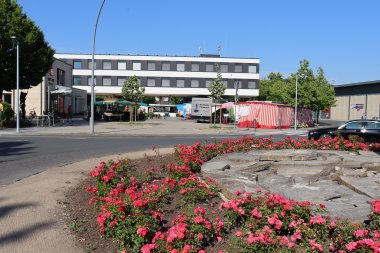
(367, 129)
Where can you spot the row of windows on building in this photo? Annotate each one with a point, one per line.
(162, 82)
(167, 66)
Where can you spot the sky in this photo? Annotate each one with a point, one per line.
(341, 36)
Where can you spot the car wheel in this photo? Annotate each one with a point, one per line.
(325, 136)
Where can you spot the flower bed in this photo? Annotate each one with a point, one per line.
(136, 215)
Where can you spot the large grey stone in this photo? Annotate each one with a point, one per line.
(345, 182)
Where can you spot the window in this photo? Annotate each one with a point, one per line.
(106, 65)
(60, 77)
(121, 65)
(180, 66)
(166, 66)
(77, 80)
(151, 82)
(252, 69)
(107, 81)
(373, 125)
(224, 68)
(353, 125)
(239, 83)
(238, 68)
(252, 85)
(90, 81)
(225, 83)
(90, 64)
(151, 66)
(77, 64)
(165, 83)
(194, 83)
(136, 65)
(195, 67)
(209, 67)
(208, 83)
(121, 81)
(180, 83)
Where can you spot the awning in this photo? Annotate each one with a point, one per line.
(59, 89)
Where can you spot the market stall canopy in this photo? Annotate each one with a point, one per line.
(59, 89)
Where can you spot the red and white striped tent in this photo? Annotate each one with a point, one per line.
(268, 115)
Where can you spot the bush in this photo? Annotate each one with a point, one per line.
(6, 114)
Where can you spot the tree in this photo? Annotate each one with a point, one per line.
(325, 97)
(132, 92)
(314, 91)
(36, 56)
(216, 88)
(273, 89)
(176, 100)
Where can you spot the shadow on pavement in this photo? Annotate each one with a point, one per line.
(18, 235)
(4, 210)
(14, 148)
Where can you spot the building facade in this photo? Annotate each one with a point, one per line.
(54, 94)
(357, 100)
(164, 76)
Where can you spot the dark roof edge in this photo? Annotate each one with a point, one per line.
(356, 84)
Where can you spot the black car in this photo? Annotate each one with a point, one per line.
(367, 129)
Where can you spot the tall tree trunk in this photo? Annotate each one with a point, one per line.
(135, 112)
(130, 114)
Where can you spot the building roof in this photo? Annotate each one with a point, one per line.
(356, 84)
(189, 56)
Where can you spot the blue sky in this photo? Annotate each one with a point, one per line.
(341, 36)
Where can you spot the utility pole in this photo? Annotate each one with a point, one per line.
(92, 74)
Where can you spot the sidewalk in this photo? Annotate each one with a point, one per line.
(153, 127)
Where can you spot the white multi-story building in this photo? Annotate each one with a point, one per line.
(164, 76)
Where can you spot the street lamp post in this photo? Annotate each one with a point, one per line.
(236, 86)
(295, 108)
(17, 85)
(92, 74)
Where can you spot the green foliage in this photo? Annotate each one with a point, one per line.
(6, 114)
(217, 87)
(132, 91)
(36, 56)
(314, 91)
(176, 100)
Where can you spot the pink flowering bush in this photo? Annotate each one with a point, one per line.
(135, 215)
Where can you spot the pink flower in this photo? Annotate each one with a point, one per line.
(361, 233)
(147, 248)
(315, 245)
(239, 233)
(199, 210)
(198, 219)
(351, 246)
(200, 236)
(317, 220)
(142, 231)
(297, 235)
(256, 213)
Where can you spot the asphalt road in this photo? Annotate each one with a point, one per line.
(21, 157)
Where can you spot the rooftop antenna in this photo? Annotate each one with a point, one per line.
(219, 48)
(200, 50)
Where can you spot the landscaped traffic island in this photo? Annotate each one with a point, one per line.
(174, 208)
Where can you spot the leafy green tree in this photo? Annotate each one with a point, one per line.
(133, 92)
(36, 56)
(325, 95)
(314, 91)
(266, 87)
(176, 100)
(216, 88)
